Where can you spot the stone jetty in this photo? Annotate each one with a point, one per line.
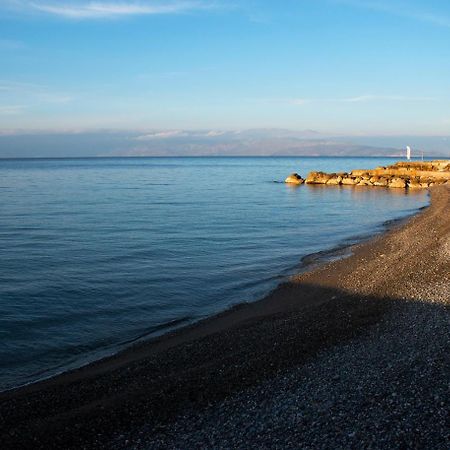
(410, 175)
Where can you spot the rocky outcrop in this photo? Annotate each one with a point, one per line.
(294, 178)
(414, 175)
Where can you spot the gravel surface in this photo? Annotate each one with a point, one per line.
(386, 389)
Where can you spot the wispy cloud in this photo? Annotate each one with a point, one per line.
(402, 9)
(15, 86)
(11, 110)
(37, 92)
(160, 135)
(357, 99)
(167, 134)
(109, 9)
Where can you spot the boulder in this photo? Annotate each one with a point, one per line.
(294, 178)
(335, 180)
(359, 173)
(317, 178)
(349, 181)
(382, 181)
(397, 182)
(414, 184)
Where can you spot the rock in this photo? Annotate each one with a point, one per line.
(382, 181)
(317, 178)
(349, 181)
(294, 178)
(414, 184)
(335, 180)
(397, 183)
(359, 173)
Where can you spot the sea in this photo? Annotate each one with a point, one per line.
(97, 254)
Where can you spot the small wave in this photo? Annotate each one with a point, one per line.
(320, 257)
(92, 355)
(246, 286)
(161, 327)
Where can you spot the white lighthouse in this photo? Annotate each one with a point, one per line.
(408, 152)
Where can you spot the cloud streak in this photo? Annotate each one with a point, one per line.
(400, 9)
(168, 134)
(85, 10)
(359, 99)
(11, 110)
(39, 93)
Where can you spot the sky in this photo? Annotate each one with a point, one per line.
(346, 67)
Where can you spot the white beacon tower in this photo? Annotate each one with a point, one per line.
(408, 152)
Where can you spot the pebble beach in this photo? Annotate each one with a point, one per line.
(353, 354)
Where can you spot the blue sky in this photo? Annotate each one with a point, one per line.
(363, 67)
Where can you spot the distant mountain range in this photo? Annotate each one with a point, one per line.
(252, 142)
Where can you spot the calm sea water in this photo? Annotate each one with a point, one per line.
(96, 253)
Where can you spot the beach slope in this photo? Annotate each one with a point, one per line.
(351, 354)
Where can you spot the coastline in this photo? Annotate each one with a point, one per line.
(306, 263)
(233, 351)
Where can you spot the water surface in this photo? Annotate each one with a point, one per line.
(96, 253)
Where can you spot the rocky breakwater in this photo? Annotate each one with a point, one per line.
(400, 175)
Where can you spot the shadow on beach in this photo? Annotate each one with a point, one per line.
(91, 409)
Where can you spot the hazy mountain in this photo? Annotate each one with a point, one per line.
(252, 142)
